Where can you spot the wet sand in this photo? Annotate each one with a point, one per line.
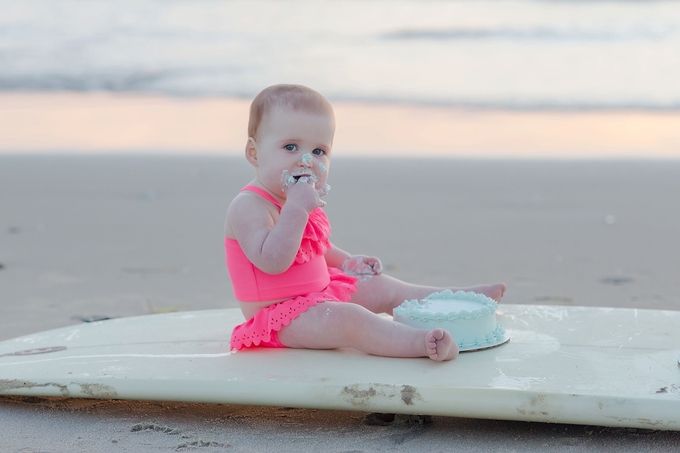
(105, 235)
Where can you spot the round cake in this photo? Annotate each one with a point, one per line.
(469, 317)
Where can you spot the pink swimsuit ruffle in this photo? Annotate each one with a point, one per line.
(315, 237)
(261, 330)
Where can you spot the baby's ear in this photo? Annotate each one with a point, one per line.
(251, 151)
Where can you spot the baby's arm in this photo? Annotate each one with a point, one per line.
(353, 264)
(272, 245)
(335, 257)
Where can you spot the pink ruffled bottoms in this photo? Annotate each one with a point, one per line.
(261, 330)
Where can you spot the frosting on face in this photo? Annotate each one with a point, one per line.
(307, 160)
(288, 179)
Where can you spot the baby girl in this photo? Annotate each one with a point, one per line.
(295, 288)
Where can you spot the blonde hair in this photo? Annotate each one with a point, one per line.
(295, 97)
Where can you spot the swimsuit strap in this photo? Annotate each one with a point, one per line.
(263, 193)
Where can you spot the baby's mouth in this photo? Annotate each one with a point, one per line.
(304, 174)
(289, 179)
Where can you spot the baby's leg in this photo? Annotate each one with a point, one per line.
(331, 325)
(382, 293)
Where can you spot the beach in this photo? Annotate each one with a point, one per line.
(104, 235)
(530, 142)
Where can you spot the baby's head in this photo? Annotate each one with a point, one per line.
(287, 97)
(290, 136)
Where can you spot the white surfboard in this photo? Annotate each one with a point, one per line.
(596, 366)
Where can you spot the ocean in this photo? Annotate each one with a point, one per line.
(514, 54)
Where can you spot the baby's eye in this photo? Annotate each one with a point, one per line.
(318, 152)
(291, 147)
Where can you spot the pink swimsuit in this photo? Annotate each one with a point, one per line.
(306, 282)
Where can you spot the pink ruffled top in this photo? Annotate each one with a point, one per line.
(308, 272)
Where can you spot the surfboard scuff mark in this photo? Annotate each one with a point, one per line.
(362, 395)
(35, 351)
(537, 407)
(408, 393)
(645, 423)
(502, 381)
(87, 390)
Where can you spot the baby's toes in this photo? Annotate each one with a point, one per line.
(431, 344)
(433, 337)
(438, 334)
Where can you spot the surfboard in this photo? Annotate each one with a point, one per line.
(578, 365)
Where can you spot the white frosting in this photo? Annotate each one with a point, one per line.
(469, 317)
(289, 179)
(307, 160)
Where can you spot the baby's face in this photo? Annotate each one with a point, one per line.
(293, 144)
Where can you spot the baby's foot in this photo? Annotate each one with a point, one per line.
(494, 291)
(440, 346)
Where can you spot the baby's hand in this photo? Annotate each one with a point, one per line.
(304, 193)
(324, 190)
(362, 265)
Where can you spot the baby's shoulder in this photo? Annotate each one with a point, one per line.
(248, 206)
(247, 213)
(250, 200)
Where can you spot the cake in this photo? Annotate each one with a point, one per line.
(469, 317)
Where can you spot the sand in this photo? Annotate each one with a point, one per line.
(123, 235)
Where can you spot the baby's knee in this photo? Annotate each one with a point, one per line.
(340, 312)
(346, 317)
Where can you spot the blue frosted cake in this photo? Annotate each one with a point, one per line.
(469, 317)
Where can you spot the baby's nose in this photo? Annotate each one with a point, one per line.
(307, 160)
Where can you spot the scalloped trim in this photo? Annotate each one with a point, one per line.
(492, 339)
(274, 317)
(415, 309)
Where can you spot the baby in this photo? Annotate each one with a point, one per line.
(295, 288)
